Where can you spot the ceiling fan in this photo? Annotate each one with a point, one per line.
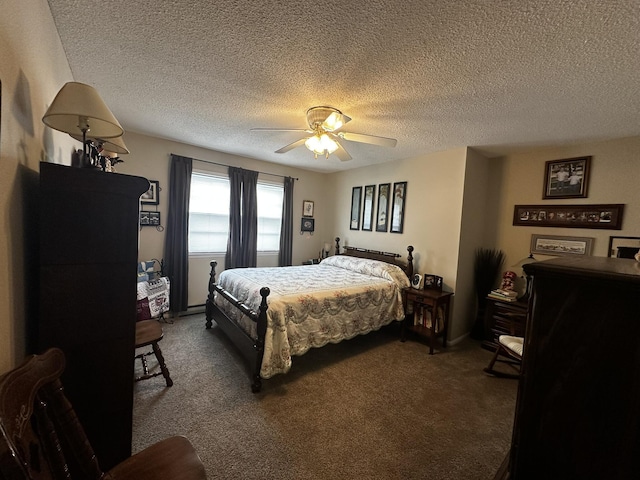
(324, 126)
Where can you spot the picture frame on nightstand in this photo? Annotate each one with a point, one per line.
(432, 282)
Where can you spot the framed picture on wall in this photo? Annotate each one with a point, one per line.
(367, 208)
(307, 224)
(356, 201)
(560, 245)
(149, 219)
(566, 178)
(624, 247)
(382, 220)
(307, 208)
(151, 196)
(397, 207)
(605, 216)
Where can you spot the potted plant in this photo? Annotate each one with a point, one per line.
(486, 270)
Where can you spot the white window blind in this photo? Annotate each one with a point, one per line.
(209, 214)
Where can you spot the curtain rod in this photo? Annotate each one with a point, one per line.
(224, 165)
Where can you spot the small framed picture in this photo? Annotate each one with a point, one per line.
(149, 219)
(151, 196)
(356, 203)
(432, 282)
(307, 208)
(566, 178)
(367, 208)
(382, 218)
(397, 207)
(307, 225)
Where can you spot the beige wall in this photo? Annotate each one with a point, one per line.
(478, 225)
(456, 200)
(433, 212)
(150, 158)
(615, 170)
(33, 67)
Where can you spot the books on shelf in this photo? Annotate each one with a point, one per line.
(504, 295)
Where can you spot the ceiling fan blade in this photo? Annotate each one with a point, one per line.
(306, 130)
(342, 154)
(291, 146)
(372, 139)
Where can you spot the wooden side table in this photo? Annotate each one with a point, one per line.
(430, 300)
(503, 318)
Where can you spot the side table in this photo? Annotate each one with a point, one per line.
(503, 318)
(430, 300)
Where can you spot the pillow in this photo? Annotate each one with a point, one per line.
(375, 268)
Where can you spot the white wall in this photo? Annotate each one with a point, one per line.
(33, 67)
(150, 158)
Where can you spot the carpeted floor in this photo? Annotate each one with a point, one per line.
(367, 408)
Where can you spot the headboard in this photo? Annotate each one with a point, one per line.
(392, 258)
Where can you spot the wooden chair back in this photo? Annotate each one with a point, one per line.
(42, 438)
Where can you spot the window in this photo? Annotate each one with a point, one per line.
(209, 214)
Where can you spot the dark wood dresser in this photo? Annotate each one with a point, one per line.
(578, 407)
(87, 295)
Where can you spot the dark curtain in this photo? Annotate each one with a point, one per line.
(286, 229)
(176, 247)
(242, 246)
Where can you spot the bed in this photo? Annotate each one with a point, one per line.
(273, 314)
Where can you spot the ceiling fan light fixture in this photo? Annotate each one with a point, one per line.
(333, 122)
(321, 144)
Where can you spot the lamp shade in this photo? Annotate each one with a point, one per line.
(113, 145)
(79, 107)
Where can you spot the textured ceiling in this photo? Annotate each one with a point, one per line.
(498, 75)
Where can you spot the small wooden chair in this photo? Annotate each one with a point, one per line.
(509, 351)
(149, 332)
(41, 437)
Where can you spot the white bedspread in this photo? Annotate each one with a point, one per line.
(312, 305)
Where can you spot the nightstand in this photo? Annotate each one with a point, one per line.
(426, 300)
(503, 318)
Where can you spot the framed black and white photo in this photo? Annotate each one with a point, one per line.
(307, 225)
(151, 196)
(432, 282)
(397, 207)
(382, 217)
(560, 245)
(307, 208)
(356, 201)
(566, 178)
(367, 208)
(603, 216)
(149, 219)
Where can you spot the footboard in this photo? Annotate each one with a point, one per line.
(252, 350)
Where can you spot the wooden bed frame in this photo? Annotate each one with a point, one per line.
(253, 350)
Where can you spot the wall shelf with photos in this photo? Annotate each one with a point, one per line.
(603, 216)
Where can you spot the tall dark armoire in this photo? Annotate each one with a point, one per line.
(87, 295)
(578, 405)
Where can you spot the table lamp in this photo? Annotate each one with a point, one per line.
(77, 109)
